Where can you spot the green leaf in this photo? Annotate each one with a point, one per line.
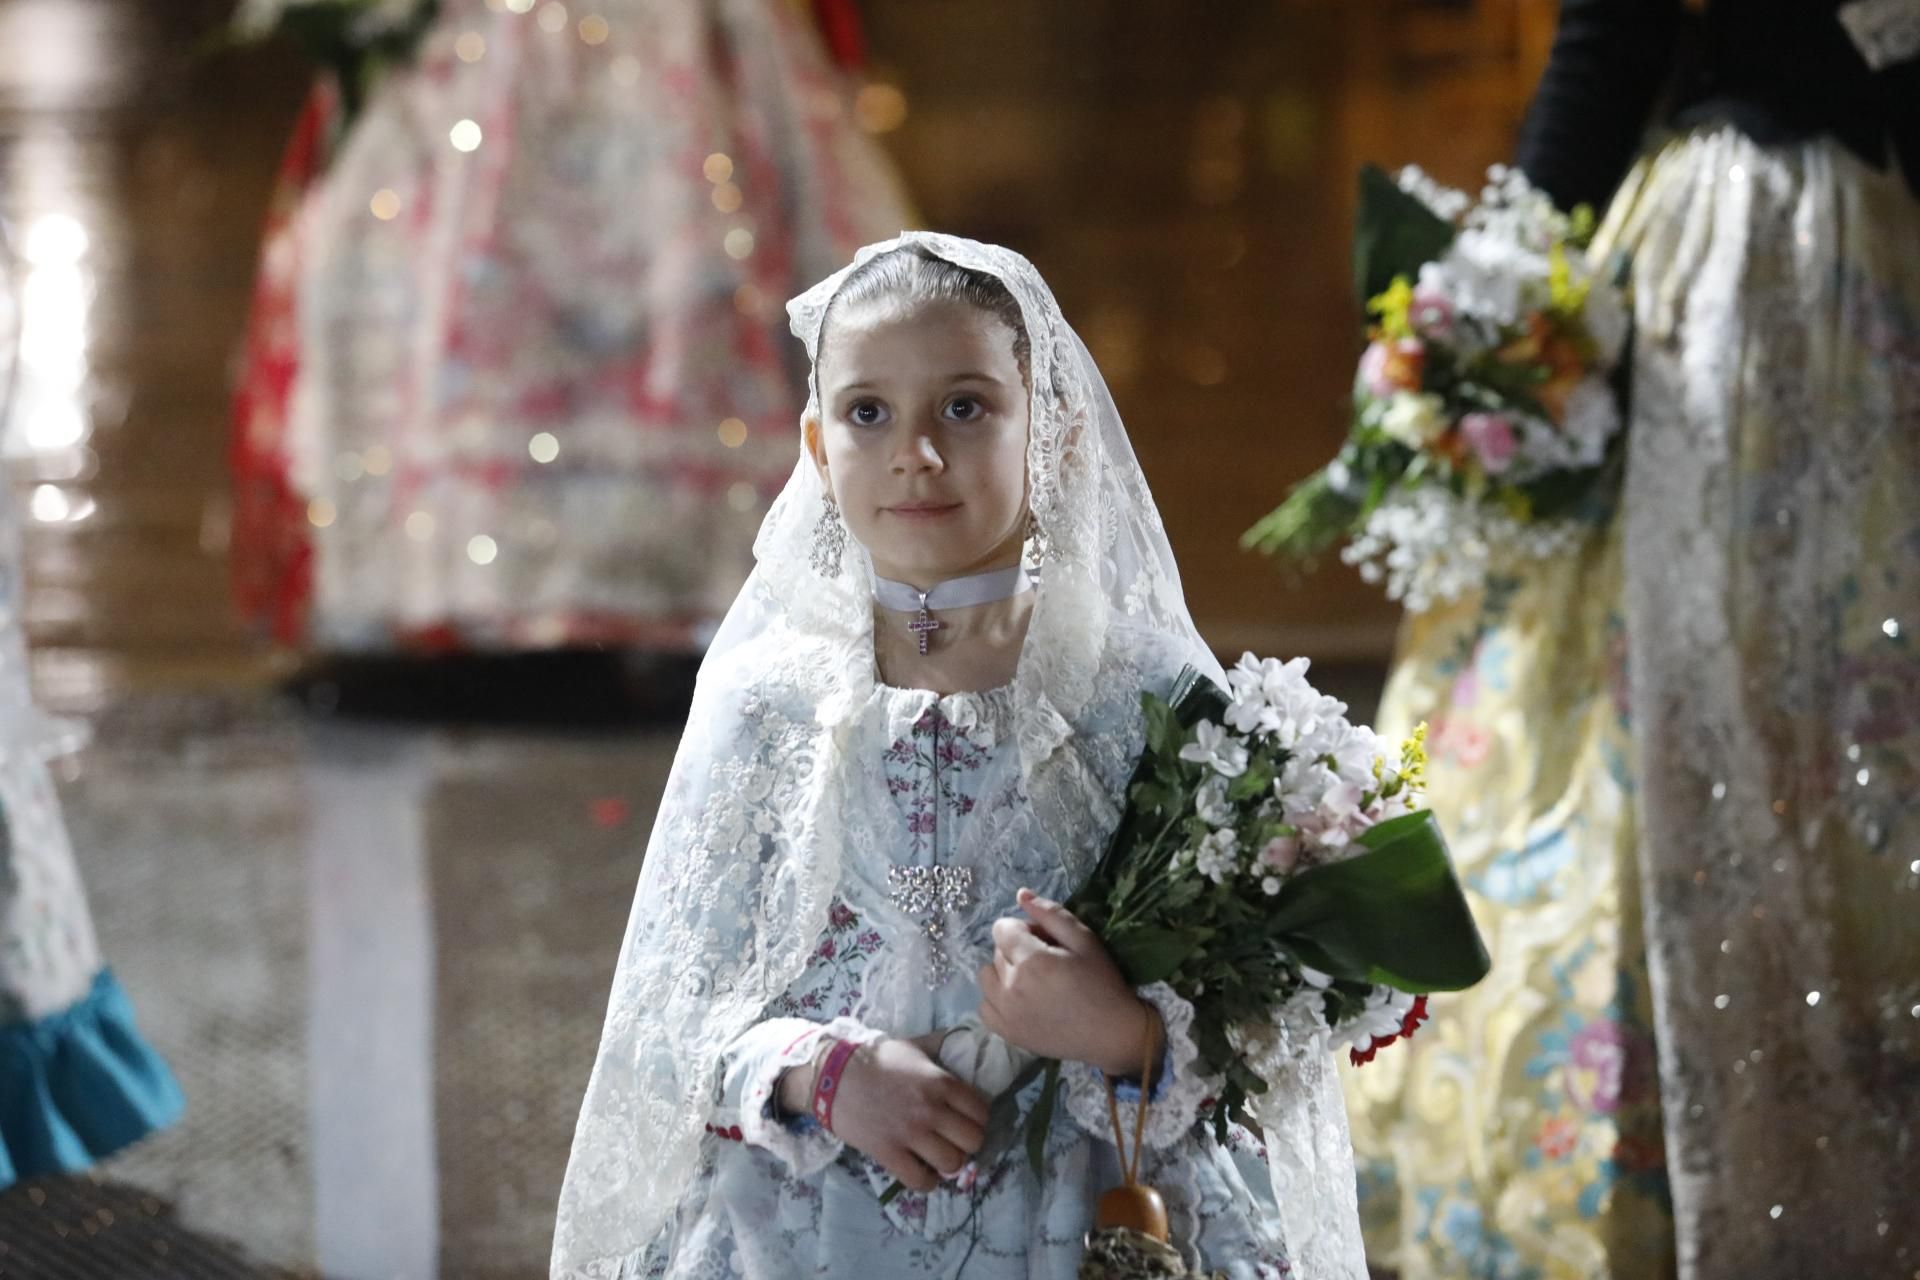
(1041, 1120)
(1150, 954)
(1164, 735)
(1253, 782)
(1395, 914)
(1154, 797)
(1312, 517)
(887, 1196)
(1394, 234)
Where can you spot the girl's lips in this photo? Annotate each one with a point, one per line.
(924, 511)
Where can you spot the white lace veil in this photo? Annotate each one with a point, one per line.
(745, 851)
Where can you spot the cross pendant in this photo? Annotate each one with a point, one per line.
(924, 625)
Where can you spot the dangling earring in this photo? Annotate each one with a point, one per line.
(1036, 544)
(829, 541)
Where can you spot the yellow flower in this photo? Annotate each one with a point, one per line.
(1413, 756)
(1569, 295)
(1395, 309)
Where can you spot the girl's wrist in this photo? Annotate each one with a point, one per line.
(1144, 1047)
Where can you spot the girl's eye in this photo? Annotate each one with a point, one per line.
(866, 413)
(964, 408)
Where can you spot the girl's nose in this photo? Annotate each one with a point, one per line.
(918, 455)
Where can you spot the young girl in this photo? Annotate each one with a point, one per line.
(909, 744)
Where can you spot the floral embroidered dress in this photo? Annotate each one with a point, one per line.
(779, 1198)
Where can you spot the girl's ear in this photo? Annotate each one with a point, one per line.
(817, 450)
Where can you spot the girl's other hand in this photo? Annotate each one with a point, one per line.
(898, 1105)
(1053, 990)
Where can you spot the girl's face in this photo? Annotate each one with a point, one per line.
(923, 441)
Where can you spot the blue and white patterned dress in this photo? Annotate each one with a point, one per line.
(779, 1199)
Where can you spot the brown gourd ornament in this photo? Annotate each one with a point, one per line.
(1132, 1206)
(1131, 1239)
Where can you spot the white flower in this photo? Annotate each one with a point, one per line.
(1415, 419)
(1270, 886)
(1302, 782)
(1274, 698)
(1432, 547)
(1493, 277)
(1383, 1015)
(1352, 749)
(1212, 804)
(1445, 201)
(1314, 978)
(1218, 857)
(1217, 749)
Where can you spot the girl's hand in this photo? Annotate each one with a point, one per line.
(899, 1106)
(1053, 990)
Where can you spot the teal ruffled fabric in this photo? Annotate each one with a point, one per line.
(78, 1085)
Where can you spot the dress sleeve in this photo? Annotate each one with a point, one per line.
(1610, 60)
(749, 1109)
(1179, 1090)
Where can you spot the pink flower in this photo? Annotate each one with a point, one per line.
(1432, 312)
(1281, 854)
(1492, 440)
(1387, 367)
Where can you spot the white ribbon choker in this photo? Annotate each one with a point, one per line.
(955, 593)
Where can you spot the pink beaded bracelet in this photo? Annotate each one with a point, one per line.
(826, 1085)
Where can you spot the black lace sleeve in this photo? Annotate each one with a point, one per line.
(1610, 60)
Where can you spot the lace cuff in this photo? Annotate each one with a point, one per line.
(750, 1109)
(1177, 1094)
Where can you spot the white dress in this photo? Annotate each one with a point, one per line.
(778, 1199)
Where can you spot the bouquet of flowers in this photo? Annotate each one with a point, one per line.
(1274, 866)
(1486, 408)
(355, 40)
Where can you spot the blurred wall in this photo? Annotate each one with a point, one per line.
(1183, 173)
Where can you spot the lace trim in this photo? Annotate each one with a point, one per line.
(800, 1144)
(1176, 1105)
(984, 718)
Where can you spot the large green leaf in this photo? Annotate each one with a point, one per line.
(1393, 235)
(1394, 914)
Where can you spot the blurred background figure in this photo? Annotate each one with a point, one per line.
(77, 1080)
(518, 375)
(1681, 767)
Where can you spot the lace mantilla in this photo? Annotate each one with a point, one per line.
(765, 807)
